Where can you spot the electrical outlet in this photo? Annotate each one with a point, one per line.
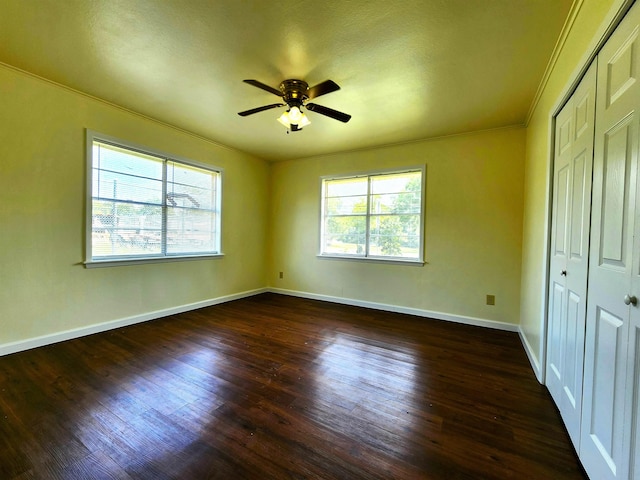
(281, 275)
(491, 299)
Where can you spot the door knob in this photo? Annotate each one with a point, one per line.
(630, 300)
(563, 273)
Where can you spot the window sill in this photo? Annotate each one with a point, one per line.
(387, 261)
(141, 261)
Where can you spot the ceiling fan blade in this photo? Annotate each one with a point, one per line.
(260, 109)
(261, 85)
(323, 88)
(329, 112)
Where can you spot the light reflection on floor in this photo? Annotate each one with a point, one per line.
(148, 424)
(356, 376)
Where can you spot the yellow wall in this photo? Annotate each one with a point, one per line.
(473, 222)
(480, 239)
(473, 227)
(538, 152)
(44, 286)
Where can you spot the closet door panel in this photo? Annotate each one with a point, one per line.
(604, 444)
(618, 153)
(580, 200)
(555, 340)
(559, 252)
(569, 252)
(581, 166)
(604, 414)
(632, 411)
(572, 389)
(605, 449)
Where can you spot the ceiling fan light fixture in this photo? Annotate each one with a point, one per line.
(294, 116)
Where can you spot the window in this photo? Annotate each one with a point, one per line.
(146, 206)
(376, 216)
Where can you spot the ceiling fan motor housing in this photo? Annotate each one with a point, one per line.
(294, 92)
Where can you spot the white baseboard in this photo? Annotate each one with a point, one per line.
(13, 347)
(480, 322)
(533, 359)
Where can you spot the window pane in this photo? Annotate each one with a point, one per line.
(346, 205)
(190, 231)
(382, 246)
(346, 187)
(118, 159)
(190, 187)
(383, 203)
(121, 229)
(385, 232)
(394, 235)
(118, 186)
(127, 199)
(126, 175)
(345, 235)
(191, 209)
(407, 202)
(396, 182)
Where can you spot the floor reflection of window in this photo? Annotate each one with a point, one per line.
(157, 412)
(374, 386)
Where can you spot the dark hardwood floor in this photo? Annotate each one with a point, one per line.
(277, 387)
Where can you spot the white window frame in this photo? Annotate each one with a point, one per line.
(367, 257)
(90, 261)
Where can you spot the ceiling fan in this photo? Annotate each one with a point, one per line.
(295, 94)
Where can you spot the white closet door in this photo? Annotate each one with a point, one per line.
(632, 411)
(632, 408)
(569, 253)
(607, 421)
(559, 247)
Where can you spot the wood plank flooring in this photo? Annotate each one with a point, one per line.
(277, 387)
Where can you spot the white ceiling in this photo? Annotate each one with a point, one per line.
(409, 69)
